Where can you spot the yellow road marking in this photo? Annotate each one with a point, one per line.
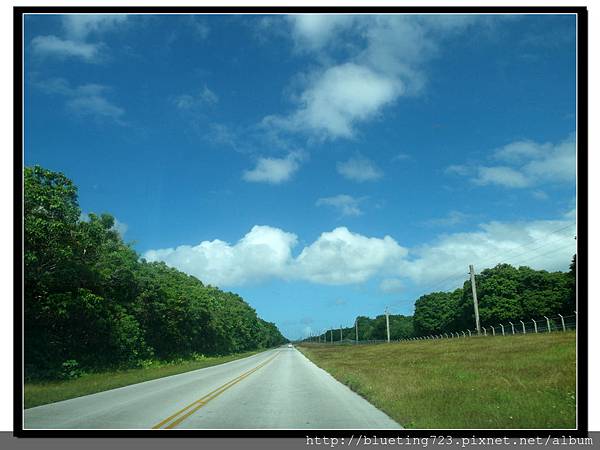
(190, 409)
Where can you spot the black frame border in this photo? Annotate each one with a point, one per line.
(582, 221)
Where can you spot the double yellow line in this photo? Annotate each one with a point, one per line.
(175, 419)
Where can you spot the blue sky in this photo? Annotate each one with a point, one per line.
(321, 166)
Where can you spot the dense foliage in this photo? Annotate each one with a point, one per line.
(504, 293)
(91, 303)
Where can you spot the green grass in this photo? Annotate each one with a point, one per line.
(495, 382)
(41, 393)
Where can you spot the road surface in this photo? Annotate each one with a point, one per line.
(276, 389)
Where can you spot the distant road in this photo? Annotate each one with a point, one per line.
(278, 388)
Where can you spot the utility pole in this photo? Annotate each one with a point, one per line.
(356, 328)
(387, 324)
(474, 288)
(332, 335)
(341, 336)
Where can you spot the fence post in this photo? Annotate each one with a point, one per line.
(493, 330)
(502, 326)
(548, 322)
(512, 327)
(464, 335)
(484, 331)
(446, 334)
(469, 333)
(562, 319)
(534, 324)
(523, 323)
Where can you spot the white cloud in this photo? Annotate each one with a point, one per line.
(90, 101)
(315, 30)
(341, 257)
(557, 163)
(263, 252)
(541, 244)
(385, 58)
(84, 100)
(80, 26)
(189, 101)
(457, 169)
(391, 285)
(44, 46)
(273, 170)
(525, 163)
(501, 175)
(346, 205)
(336, 257)
(520, 150)
(359, 169)
(339, 97)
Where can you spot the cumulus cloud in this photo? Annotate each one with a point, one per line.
(273, 170)
(263, 252)
(524, 164)
(336, 257)
(341, 257)
(346, 205)
(84, 100)
(359, 169)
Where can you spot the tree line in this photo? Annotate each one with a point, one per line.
(504, 293)
(91, 303)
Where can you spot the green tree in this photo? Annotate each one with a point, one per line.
(437, 312)
(91, 303)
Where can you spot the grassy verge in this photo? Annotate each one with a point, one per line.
(495, 382)
(41, 393)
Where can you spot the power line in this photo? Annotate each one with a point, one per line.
(485, 262)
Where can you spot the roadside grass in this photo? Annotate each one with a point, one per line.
(521, 381)
(44, 392)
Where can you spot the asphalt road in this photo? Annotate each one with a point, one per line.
(276, 389)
